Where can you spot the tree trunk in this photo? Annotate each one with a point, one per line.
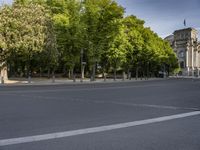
(128, 70)
(83, 72)
(48, 73)
(29, 66)
(93, 72)
(64, 71)
(73, 75)
(129, 75)
(123, 76)
(104, 75)
(136, 76)
(69, 74)
(53, 76)
(72, 72)
(147, 71)
(141, 72)
(3, 73)
(115, 73)
(40, 72)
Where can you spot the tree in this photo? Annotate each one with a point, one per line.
(117, 50)
(66, 17)
(49, 35)
(24, 30)
(101, 18)
(134, 30)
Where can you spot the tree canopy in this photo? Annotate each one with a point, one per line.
(40, 36)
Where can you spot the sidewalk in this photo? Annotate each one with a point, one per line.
(59, 81)
(185, 77)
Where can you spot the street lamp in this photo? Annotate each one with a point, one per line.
(147, 70)
(164, 70)
(82, 74)
(82, 66)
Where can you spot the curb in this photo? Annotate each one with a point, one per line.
(78, 83)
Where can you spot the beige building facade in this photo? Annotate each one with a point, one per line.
(187, 48)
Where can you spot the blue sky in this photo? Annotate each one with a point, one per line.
(163, 16)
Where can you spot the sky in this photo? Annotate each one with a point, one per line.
(165, 16)
(162, 16)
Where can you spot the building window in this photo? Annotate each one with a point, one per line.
(182, 64)
(182, 36)
(181, 54)
(187, 35)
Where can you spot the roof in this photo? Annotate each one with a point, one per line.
(170, 37)
(186, 29)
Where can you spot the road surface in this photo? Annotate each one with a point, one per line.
(147, 115)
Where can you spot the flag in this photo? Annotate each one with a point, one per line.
(184, 22)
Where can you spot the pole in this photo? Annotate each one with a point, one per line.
(53, 77)
(147, 70)
(164, 72)
(29, 77)
(81, 65)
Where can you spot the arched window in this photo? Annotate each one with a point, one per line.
(182, 64)
(181, 54)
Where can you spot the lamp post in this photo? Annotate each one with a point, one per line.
(164, 71)
(29, 77)
(82, 73)
(147, 70)
(82, 66)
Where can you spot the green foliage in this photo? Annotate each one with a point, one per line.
(25, 31)
(51, 33)
(118, 48)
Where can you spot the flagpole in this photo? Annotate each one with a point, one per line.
(184, 22)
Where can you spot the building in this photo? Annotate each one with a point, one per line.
(186, 46)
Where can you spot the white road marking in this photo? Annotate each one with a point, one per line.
(21, 140)
(156, 106)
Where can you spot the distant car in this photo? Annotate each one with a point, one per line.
(162, 74)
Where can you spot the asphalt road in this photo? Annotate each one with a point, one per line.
(27, 111)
